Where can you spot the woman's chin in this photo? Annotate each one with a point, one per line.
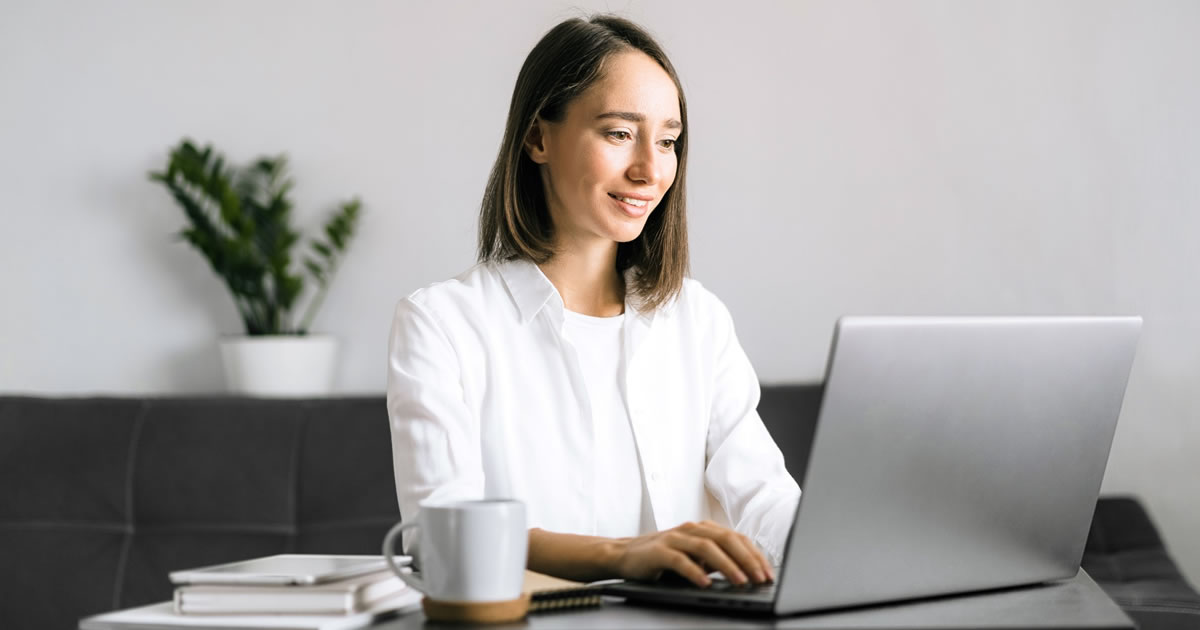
(627, 235)
(627, 229)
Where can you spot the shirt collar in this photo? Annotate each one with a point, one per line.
(529, 287)
(532, 291)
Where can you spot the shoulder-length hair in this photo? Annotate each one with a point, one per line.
(514, 220)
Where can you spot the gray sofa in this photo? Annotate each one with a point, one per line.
(102, 497)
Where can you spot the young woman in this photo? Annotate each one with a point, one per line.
(575, 367)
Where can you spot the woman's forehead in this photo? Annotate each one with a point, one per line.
(632, 86)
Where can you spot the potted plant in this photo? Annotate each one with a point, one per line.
(240, 220)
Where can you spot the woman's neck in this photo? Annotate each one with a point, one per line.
(588, 280)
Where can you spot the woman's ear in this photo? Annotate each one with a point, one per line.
(535, 141)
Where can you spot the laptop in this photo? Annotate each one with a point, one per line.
(951, 455)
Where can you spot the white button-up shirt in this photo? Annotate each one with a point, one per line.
(487, 399)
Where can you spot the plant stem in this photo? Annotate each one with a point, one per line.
(311, 311)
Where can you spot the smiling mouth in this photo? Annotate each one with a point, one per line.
(629, 209)
(637, 203)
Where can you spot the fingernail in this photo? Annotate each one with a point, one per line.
(759, 576)
(741, 578)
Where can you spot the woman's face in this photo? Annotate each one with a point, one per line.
(608, 163)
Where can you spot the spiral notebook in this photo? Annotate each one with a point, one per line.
(551, 593)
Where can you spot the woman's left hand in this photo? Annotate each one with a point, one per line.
(693, 550)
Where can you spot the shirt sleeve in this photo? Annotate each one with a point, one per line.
(745, 470)
(435, 435)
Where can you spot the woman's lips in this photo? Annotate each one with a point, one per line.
(632, 211)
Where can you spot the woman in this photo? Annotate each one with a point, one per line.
(576, 368)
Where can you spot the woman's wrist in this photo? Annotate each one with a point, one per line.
(574, 557)
(609, 554)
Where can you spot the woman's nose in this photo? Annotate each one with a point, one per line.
(647, 164)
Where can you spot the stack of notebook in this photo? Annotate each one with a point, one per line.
(340, 597)
(300, 592)
(294, 584)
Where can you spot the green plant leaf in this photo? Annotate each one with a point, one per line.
(240, 221)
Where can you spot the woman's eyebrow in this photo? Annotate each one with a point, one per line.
(636, 117)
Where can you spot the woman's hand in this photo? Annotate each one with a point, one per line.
(693, 550)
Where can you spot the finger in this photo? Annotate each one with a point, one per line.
(738, 547)
(680, 563)
(766, 564)
(707, 551)
(748, 556)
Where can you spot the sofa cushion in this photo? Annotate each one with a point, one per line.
(1126, 556)
(790, 415)
(64, 468)
(104, 497)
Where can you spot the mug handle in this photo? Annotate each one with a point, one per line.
(389, 542)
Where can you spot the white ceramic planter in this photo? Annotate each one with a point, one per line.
(279, 365)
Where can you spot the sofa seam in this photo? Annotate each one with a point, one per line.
(350, 522)
(110, 527)
(130, 465)
(297, 447)
(237, 528)
(250, 528)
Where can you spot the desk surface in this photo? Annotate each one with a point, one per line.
(1075, 603)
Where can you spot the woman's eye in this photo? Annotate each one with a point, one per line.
(668, 143)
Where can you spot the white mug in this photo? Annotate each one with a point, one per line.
(470, 551)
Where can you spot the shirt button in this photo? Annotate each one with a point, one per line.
(654, 476)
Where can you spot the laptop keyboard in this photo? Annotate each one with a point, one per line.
(720, 592)
(721, 585)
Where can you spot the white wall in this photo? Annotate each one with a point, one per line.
(848, 157)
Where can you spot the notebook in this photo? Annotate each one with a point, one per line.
(551, 593)
(346, 596)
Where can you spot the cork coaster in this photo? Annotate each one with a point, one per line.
(476, 612)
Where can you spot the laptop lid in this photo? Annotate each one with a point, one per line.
(954, 454)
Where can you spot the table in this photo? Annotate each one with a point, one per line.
(1077, 603)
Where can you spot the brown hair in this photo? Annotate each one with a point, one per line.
(514, 220)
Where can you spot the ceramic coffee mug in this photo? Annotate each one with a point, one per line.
(469, 551)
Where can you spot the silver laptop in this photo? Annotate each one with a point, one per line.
(951, 454)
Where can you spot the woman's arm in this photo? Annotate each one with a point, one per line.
(745, 469)
(572, 557)
(435, 436)
(692, 550)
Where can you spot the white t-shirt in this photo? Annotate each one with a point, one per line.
(619, 496)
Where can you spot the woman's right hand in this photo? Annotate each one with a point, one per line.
(693, 550)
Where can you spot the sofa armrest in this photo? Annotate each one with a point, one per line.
(1126, 556)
